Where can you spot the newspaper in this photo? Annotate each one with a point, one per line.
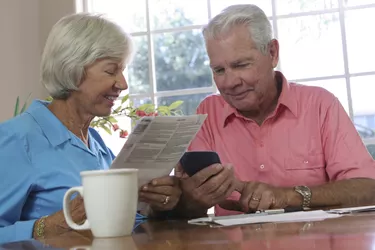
(157, 144)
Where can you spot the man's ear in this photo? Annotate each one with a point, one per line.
(273, 50)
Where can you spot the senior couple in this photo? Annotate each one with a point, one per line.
(281, 144)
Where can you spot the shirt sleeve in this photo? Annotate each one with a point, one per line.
(346, 155)
(203, 140)
(16, 184)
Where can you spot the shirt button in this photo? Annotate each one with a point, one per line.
(262, 166)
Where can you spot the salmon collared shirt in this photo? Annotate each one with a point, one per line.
(308, 140)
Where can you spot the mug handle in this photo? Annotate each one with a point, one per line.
(66, 209)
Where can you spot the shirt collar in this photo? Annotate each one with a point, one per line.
(286, 99)
(56, 132)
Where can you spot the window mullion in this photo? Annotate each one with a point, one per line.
(345, 56)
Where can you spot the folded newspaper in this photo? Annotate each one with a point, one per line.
(156, 145)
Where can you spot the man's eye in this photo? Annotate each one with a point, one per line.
(219, 71)
(243, 65)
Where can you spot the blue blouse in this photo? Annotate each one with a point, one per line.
(40, 159)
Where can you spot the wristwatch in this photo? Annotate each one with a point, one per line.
(306, 195)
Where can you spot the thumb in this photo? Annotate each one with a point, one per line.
(231, 205)
(178, 171)
(239, 186)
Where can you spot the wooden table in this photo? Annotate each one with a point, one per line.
(354, 232)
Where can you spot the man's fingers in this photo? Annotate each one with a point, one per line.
(205, 174)
(239, 186)
(215, 182)
(231, 205)
(266, 201)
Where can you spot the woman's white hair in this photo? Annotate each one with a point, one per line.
(75, 42)
(250, 15)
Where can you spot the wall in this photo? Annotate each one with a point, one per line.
(24, 26)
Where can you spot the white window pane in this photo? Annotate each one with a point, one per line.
(311, 46)
(190, 104)
(177, 13)
(357, 2)
(132, 19)
(284, 7)
(138, 70)
(181, 61)
(336, 87)
(363, 91)
(136, 102)
(360, 39)
(218, 5)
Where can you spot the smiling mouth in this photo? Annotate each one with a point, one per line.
(242, 94)
(111, 98)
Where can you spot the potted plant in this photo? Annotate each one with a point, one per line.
(126, 108)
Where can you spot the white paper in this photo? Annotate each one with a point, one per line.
(157, 144)
(264, 218)
(352, 210)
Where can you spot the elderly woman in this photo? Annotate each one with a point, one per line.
(43, 150)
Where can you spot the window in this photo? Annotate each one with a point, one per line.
(323, 43)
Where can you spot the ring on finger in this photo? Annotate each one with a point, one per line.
(166, 200)
(255, 199)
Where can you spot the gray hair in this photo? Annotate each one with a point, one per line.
(75, 42)
(250, 15)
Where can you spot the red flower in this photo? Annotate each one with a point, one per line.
(124, 133)
(115, 127)
(140, 113)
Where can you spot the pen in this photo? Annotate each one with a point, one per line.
(281, 210)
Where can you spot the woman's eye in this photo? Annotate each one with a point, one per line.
(110, 73)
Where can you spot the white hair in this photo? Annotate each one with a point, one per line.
(75, 42)
(260, 29)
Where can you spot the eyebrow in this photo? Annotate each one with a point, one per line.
(234, 63)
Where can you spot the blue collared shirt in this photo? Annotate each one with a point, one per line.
(40, 159)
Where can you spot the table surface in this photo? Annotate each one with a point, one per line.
(355, 231)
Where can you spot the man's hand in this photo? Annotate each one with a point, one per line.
(258, 196)
(209, 186)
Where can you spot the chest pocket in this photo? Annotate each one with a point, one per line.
(308, 162)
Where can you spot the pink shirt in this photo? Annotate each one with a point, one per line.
(308, 140)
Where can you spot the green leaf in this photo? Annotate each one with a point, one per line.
(125, 98)
(112, 119)
(117, 109)
(175, 105)
(164, 110)
(108, 130)
(16, 107)
(146, 107)
(25, 104)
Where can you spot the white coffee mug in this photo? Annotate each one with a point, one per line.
(110, 198)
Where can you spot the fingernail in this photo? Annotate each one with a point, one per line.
(218, 166)
(144, 188)
(154, 182)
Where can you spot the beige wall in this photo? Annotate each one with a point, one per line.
(24, 27)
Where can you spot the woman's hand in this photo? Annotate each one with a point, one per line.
(162, 194)
(55, 224)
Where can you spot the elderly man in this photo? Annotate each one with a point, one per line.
(281, 144)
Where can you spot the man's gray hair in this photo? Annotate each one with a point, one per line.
(243, 14)
(75, 42)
